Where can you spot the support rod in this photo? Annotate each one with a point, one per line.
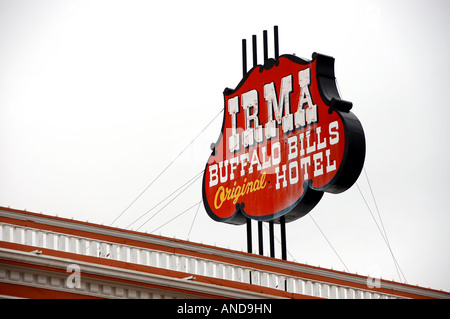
(249, 236)
(283, 238)
(260, 238)
(271, 229)
(244, 57)
(260, 226)
(272, 239)
(255, 55)
(275, 32)
(265, 45)
(244, 72)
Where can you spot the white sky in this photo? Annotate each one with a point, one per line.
(98, 97)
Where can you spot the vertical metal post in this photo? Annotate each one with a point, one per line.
(260, 238)
(272, 239)
(283, 238)
(282, 219)
(244, 57)
(275, 32)
(249, 236)
(260, 228)
(265, 45)
(249, 242)
(271, 229)
(255, 55)
(244, 72)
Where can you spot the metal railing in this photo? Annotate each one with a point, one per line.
(191, 265)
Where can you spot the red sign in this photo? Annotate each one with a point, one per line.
(286, 138)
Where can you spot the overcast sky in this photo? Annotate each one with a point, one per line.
(97, 98)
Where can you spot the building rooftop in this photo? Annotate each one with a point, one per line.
(45, 256)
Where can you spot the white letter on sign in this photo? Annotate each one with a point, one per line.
(213, 175)
(233, 108)
(308, 115)
(250, 101)
(293, 152)
(276, 106)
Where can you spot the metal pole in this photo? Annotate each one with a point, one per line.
(283, 238)
(260, 238)
(272, 239)
(249, 242)
(260, 228)
(244, 57)
(255, 56)
(266, 54)
(244, 72)
(275, 31)
(271, 229)
(249, 235)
